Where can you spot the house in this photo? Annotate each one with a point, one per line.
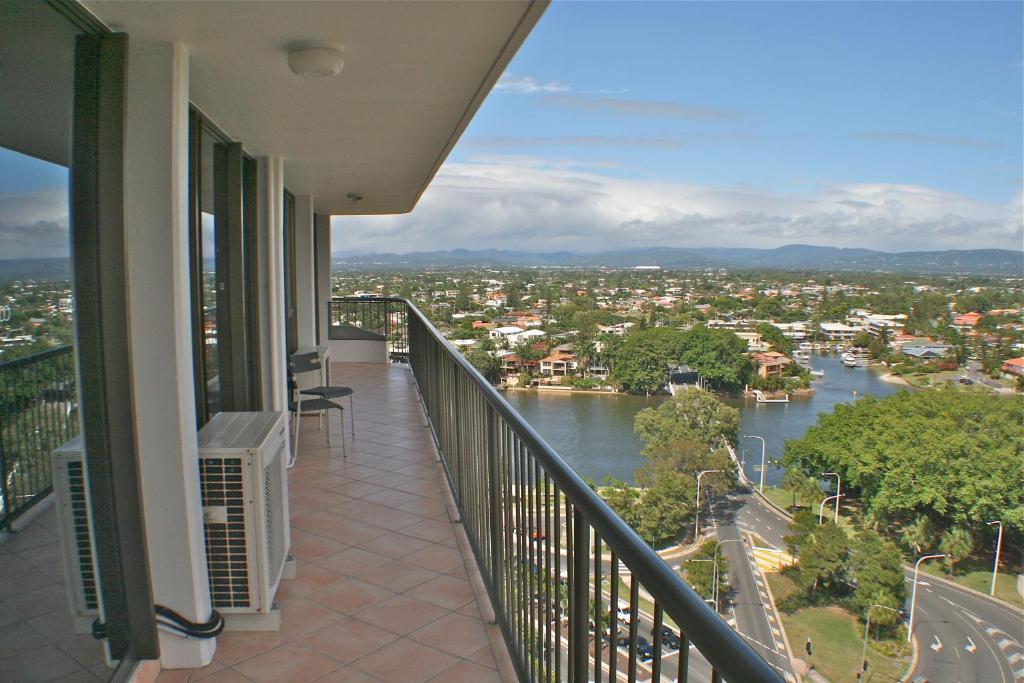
(558, 365)
(839, 331)
(969, 319)
(925, 351)
(1014, 366)
(754, 341)
(482, 325)
(508, 332)
(771, 363)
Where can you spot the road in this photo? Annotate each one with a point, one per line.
(962, 637)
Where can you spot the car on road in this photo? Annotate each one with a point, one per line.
(623, 614)
(669, 639)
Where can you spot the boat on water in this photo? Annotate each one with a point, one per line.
(855, 358)
(817, 373)
(805, 346)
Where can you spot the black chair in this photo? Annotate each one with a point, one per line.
(315, 398)
(308, 363)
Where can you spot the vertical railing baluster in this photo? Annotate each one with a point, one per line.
(613, 605)
(658, 621)
(598, 599)
(578, 649)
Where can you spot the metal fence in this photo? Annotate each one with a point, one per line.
(575, 589)
(372, 318)
(38, 412)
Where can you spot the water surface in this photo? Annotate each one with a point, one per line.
(594, 433)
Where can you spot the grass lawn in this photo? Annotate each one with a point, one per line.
(976, 573)
(781, 497)
(836, 640)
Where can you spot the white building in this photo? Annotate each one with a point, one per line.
(839, 331)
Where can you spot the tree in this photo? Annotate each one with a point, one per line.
(773, 335)
(807, 489)
(876, 570)
(719, 356)
(918, 534)
(823, 560)
(484, 362)
(940, 457)
(660, 514)
(957, 544)
(801, 529)
(694, 414)
(699, 572)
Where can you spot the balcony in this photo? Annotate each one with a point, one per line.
(391, 586)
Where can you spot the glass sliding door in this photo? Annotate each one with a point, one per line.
(224, 272)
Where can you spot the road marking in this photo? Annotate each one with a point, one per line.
(937, 645)
(776, 632)
(970, 646)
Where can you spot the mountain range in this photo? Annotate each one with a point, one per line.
(789, 257)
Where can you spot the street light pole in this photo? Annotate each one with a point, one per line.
(763, 449)
(696, 521)
(867, 627)
(714, 570)
(821, 508)
(913, 594)
(995, 564)
(839, 490)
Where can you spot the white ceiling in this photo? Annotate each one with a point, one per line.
(415, 73)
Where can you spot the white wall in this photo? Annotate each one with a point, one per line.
(160, 327)
(270, 205)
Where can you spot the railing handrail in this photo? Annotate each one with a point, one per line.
(35, 357)
(723, 647)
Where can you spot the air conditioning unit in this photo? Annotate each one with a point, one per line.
(75, 529)
(242, 465)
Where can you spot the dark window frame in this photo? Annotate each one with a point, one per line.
(237, 270)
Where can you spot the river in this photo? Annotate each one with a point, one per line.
(594, 432)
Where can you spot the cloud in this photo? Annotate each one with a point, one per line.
(34, 224)
(558, 93)
(528, 204)
(907, 136)
(527, 85)
(502, 142)
(619, 105)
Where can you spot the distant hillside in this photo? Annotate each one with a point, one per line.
(35, 269)
(792, 256)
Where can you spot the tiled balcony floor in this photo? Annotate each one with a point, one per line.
(37, 638)
(382, 591)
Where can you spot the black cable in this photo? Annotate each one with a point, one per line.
(174, 621)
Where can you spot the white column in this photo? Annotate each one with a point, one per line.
(270, 200)
(305, 295)
(322, 256)
(160, 326)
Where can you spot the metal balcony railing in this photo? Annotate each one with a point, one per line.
(572, 585)
(371, 319)
(38, 412)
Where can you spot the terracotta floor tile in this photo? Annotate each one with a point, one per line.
(225, 676)
(18, 638)
(303, 616)
(312, 548)
(467, 672)
(394, 545)
(349, 639)
(430, 530)
(45, 664)
(348, 675)
(437, 557)
(294, 663)
(352, 561)
(397, 576)
(234, 647)
(351, 596)
(402, 614)
(445, 591)
(484, 657)
(454, 633)
(405, 661)
(308, 578)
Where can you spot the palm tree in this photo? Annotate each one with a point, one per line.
(957, 544)
(918, 534)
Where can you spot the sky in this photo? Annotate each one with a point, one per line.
(894, 126)
(887, 125)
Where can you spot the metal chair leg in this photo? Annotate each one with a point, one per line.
(352, 407)
(344, 443)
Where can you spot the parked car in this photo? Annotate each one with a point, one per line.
(669, 639)
(623, 614)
